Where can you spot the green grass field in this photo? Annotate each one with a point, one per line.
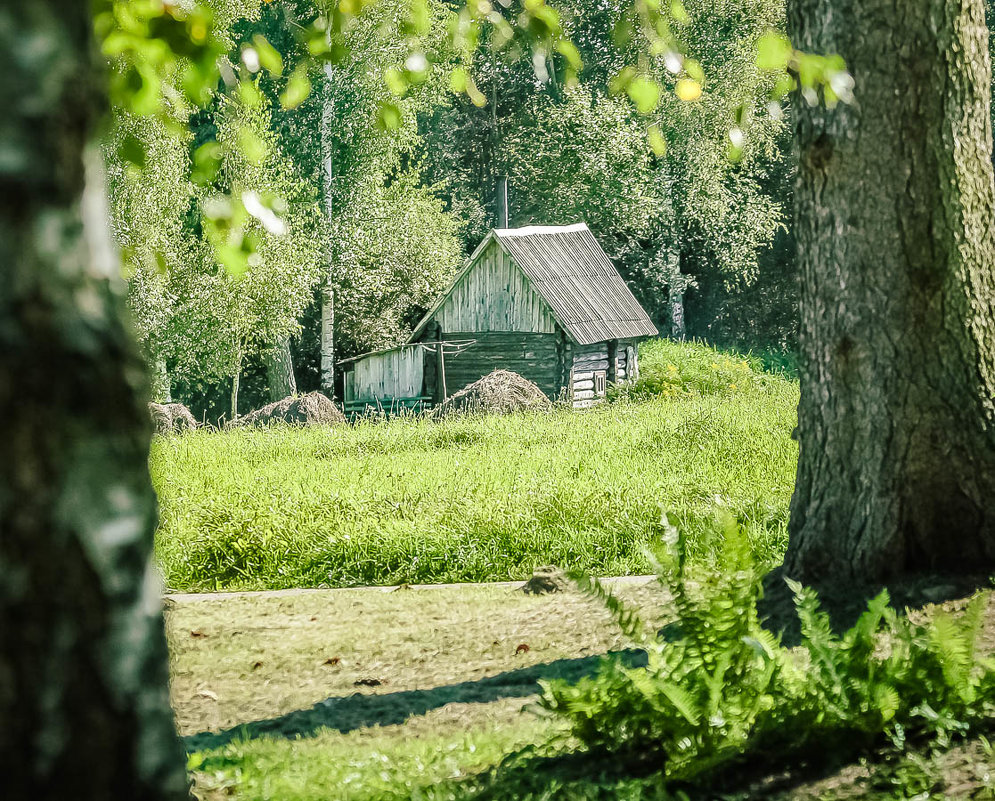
(480, 499)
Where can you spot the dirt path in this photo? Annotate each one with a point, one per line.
(240, 658)
(185, 597)
(357, 673)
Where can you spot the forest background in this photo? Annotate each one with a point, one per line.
(362, 203)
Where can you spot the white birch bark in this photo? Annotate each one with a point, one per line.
(328, 287)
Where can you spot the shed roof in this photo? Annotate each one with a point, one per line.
(575, 277)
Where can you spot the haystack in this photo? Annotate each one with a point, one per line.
(171, 418)
(546, 580)
(312, 409)
(500, 392)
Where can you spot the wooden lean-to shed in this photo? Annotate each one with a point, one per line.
(544, 302)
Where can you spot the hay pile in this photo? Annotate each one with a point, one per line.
(546, 580)
(171, 418)
(500, 392)
(312, 409)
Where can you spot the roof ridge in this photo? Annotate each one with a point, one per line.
(532, 230)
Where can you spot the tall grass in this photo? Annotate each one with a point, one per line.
(479, 499)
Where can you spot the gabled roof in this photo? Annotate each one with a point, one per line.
(574, 276)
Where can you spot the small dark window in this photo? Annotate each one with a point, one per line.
(600, 382)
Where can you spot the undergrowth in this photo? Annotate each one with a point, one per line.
(670, 369)
(720, 695)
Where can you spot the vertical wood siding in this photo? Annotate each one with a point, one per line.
(397, 373)
(495, 295)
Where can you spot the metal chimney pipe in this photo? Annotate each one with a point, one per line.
(502, 201)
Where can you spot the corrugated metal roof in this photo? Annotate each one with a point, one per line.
(575, 277)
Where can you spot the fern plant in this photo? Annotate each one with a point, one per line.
(719, 690)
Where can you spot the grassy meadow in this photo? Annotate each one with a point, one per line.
(480, 499)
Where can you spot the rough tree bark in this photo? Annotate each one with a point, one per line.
(280, 371)
(894, 212)
(83, 664)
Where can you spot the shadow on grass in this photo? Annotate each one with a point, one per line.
(346, 713)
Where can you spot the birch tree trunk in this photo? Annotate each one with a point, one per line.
(894, 214)
(328, 286)
(280, 371)
(328, 339)
(235, 379)
(84, 706)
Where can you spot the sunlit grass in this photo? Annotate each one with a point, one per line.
(487, 498)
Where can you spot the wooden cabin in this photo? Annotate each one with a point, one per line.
(543, 301)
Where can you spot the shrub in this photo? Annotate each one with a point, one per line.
(719, 691)
(679, 370)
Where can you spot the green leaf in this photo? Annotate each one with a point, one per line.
(694, 70)
(389, 117)
(475, 95)
(297, 90)
(645, 93)
(206, 163)
(569, 51)
(249, 94)
(269, 58)
(146, 100)
(678, 13)
(458, 80)
(657, 141)
(251, 145)
(773, 51)
(397, 84)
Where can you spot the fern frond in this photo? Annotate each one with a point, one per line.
(682, 701)
(625, 618)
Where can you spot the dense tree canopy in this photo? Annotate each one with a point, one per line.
(415, 195)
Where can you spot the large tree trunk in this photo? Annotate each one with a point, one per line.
(280, 371)
(84, 708)
(894, 215)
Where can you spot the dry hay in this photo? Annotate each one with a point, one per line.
(500, 392)
(171, 418)
(312, 409)
(546, 580)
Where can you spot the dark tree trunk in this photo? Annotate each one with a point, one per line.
(894, 215)
(84, 708)
(280, 371)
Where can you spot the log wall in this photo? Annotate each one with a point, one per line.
(595, 366)
(535, 356)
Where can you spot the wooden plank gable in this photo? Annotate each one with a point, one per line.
(494, 295)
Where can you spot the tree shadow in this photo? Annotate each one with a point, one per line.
(845, 602)
(346, 713)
